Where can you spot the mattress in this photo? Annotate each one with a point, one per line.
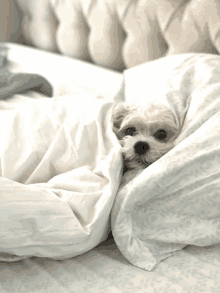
(103, 268)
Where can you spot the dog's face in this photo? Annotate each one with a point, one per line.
(145, 134)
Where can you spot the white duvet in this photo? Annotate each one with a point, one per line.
(60, 167)
(61, 170)
(175, 202)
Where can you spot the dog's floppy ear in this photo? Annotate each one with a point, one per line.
(119, 111)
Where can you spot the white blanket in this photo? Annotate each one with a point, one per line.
(175, 201)
(60, 164)
(61, 169)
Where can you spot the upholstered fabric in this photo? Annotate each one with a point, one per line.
(118, 33)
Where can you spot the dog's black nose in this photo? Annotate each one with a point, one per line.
(141, 147)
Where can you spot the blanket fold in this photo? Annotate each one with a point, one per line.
(16, 83)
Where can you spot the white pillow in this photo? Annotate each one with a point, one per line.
(176, 200)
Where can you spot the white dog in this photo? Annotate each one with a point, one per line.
(145, 133)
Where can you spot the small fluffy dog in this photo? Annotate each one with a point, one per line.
(145, 133)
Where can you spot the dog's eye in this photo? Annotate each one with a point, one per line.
(161, 134)
(130, 131)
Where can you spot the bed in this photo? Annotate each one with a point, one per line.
(67, 225)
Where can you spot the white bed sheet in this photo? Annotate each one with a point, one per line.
(105, 270)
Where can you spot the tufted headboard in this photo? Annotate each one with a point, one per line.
(113, 33)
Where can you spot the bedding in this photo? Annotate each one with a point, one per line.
(15, 108)
(52, 161)
(174, 202)
(20, 82)
(67, 76)
(108, 266)
(104, 269)
(60, 170)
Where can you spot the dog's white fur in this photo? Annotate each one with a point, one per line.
(145, 133)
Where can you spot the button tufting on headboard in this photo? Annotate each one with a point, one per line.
(119, 33)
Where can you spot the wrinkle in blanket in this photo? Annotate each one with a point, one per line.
(15, 83)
